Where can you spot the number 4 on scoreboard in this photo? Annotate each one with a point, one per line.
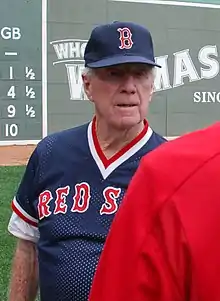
(11, 92)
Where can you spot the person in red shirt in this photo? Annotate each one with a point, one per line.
(164, 243)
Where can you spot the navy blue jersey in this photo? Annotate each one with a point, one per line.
(70, 192)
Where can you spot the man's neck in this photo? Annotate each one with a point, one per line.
(113, 140)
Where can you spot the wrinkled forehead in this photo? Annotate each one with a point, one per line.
(129, 67)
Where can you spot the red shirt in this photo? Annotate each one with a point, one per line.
(164, 244)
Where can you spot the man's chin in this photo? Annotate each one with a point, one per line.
(127, 122)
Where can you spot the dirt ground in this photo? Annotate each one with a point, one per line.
(15, 155)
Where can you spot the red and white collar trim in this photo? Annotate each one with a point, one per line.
(107, 166)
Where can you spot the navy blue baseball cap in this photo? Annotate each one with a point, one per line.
(119, 43)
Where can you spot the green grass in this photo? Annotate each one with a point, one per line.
(9, 180)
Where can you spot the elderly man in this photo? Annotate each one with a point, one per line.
(164, 241)
(75, 179)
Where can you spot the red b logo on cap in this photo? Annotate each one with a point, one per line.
(125, 38)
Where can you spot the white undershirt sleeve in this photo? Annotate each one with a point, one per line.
(21, 229)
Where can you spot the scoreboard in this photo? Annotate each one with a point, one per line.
(21, 88)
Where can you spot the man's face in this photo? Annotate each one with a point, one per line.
(121, 93)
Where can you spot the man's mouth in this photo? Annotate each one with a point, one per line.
(126, 105)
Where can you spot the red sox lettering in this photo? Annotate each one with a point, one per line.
(80, 200)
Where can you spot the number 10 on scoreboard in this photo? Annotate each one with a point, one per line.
(11, 130)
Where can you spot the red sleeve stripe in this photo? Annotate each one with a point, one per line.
(23, 215)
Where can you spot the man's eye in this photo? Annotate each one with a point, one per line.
(114, 73)
(140, 73)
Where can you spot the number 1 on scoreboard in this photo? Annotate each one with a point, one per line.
(11, 73)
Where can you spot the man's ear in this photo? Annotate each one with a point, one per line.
(86, 79)
(151, 93)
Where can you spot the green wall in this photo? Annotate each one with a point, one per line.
(187, 43)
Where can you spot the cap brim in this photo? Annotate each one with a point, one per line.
(121, 60)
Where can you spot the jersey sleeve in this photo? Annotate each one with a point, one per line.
(24, 221)
(21, 229)
(145, 257)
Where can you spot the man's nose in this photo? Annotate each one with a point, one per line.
(128, 85)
